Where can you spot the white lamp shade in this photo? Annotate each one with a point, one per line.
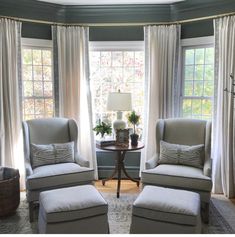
(118, 101)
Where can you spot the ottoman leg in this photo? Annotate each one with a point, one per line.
(31, 211)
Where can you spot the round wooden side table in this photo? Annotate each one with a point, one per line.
(120, 166)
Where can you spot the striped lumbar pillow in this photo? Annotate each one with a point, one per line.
(42, 155)
(51, 154)
(181, 154)
(64, 152)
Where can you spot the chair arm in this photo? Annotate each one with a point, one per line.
(207, 167)
(152, 163)
(81, 161)
(28, 168)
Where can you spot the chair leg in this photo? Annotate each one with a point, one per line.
(206, 213)
(31, 212)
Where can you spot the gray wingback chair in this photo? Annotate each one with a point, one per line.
(46, 177)
(183, 132)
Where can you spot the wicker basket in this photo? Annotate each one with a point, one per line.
(9, 192)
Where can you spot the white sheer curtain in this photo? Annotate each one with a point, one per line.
(74, 85)
(161, 63)
(224, 124)
(11, 149)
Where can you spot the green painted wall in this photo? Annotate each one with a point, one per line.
(116, 33)
(197, 29)
(106, 163)
(37, 31)
(132, 33)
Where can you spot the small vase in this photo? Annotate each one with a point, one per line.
(134, 139)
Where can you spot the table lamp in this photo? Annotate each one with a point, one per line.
(119, 101)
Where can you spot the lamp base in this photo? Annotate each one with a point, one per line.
(119, 124)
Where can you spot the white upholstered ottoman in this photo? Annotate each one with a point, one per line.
(79, 209)
(166, 211)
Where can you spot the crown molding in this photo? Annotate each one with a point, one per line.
(164, 13)
(200, 8)
(118, 13)
(33, 10)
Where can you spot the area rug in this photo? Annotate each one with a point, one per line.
(119, 216)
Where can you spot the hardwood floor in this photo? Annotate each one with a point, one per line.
(127, 186)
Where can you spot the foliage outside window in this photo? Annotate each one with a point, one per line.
(114, 70)
(37, 82)
(198, 82)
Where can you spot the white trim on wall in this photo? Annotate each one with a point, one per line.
(197, 41)
(30, 42)
(116, 45)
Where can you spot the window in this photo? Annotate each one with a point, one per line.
(198, 81)
(37, 80)
(114, 66)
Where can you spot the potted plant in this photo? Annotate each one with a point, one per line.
(102, 128)
(134, 119)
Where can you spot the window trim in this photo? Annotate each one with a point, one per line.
(36, 43)
(191, 43)
(31, 43)
(116, 45)
(197, 41)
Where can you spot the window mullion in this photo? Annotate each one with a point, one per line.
(193, 102)
(36, 106)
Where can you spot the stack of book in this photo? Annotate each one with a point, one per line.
(106, 142)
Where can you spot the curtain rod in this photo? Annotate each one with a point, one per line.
(119, 24)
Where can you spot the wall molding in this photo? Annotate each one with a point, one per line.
(33, 10)
(116, 45)
(31, 42)
(197, 41)
(200, 8)
(118, 14)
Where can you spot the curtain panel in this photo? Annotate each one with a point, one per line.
(161, 85)
(223, 121)
(74, 85)
(11, 147)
